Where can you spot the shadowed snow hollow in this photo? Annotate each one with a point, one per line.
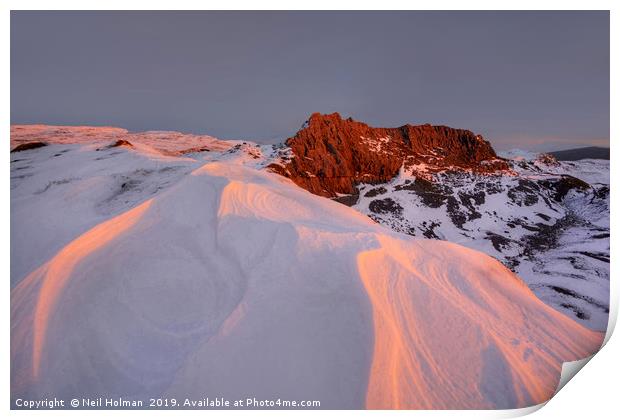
(235, 283)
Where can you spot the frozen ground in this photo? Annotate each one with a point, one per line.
(142, 272)
(539, 219)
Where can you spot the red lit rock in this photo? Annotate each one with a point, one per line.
(331, 155)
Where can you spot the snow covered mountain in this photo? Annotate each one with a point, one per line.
(546, 220)
(160, 265)
(540, 220)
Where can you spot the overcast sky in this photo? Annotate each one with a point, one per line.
(537, 80)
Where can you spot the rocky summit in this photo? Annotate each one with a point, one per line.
(545, 219)
(330, 155)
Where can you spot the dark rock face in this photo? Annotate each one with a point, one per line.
(375, 192)
(566, 183)
(118, 143)
(546, 225)
(331, 155)
(121, 143)
(525, 193)
(28, 146)
(385, 206)
(549, 227)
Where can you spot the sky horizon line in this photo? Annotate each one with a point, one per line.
(507, 75)
(545, 143)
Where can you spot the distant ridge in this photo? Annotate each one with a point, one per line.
(582, 153)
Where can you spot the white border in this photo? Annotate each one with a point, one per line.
(593, 395)
(310, 5)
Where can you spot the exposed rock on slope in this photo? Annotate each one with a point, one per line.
(251, 286)
(541, 221)
(121, 143)
(443, 183)
(331, 155)
(28, 146)
(548, 221)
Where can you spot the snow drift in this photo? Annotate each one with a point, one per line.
(236, 283)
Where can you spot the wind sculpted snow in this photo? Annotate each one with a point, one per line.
(233, 282)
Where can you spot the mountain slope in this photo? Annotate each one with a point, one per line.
(61, 190)
(546, 220)
(541, 221)
(234, 282)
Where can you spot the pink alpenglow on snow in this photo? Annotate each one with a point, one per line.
(232, 281)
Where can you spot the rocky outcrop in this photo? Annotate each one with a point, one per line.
(118, 143)
(28, 146)
(121, 143)
(331, 155)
